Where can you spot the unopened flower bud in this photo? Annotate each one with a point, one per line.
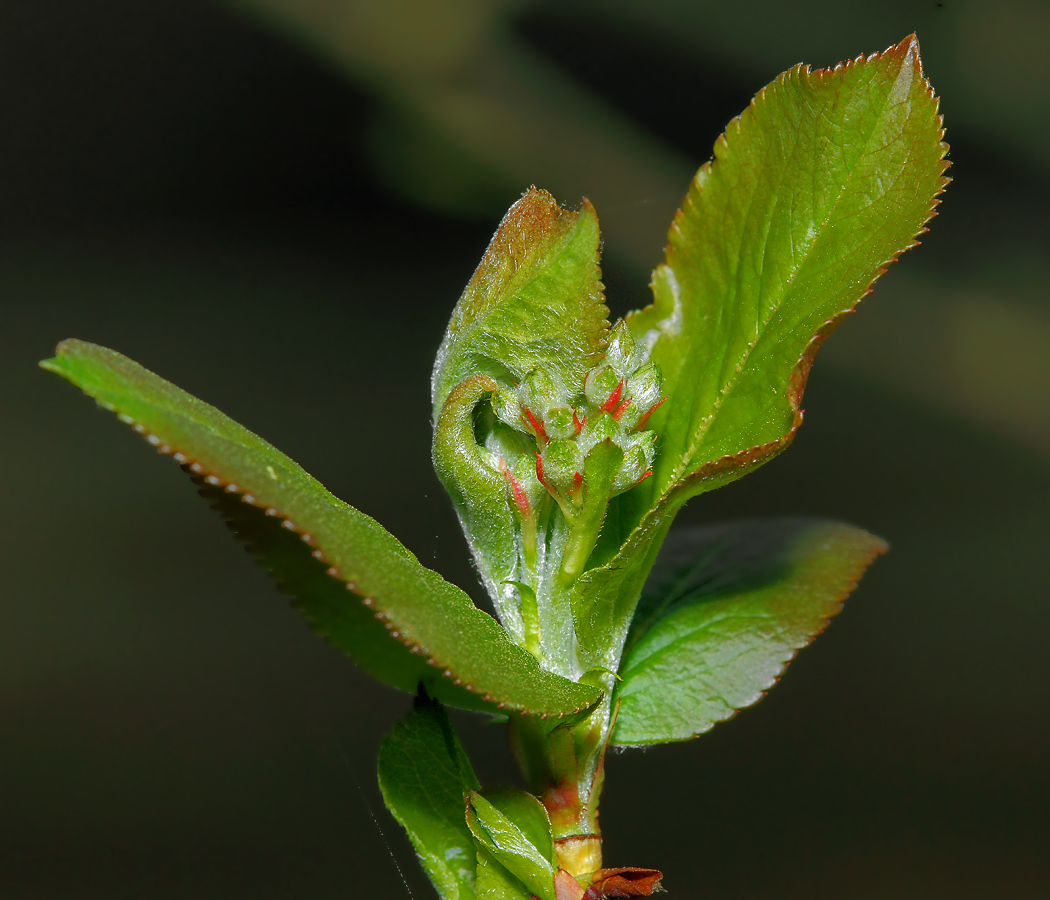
(559, 466)
(645, 385)
(561, 423)
(631, 472)
(539, 391)
(507, 409)
(601, 385)
(637, 462)
(643, 391)
(623, 352)
(550, 439)
(602, 427)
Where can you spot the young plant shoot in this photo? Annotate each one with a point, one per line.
(568, 445)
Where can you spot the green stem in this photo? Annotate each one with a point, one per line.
(565, 768)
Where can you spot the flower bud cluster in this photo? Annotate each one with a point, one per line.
(614, 403)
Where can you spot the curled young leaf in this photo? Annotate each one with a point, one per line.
(530, 325)
(479, 486)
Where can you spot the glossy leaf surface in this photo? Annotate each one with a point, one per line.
(822, 182)
(512, 826)
(432, 618)
(535, 299)
(725, 610)
(425, 778)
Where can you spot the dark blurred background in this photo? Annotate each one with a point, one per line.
(275, 204)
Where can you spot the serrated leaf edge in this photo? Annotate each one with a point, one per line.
(214, 479)
(907, 48)
(878, 548)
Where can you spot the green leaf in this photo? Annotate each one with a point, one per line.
(605, 597)
(425, 778)
(513, 827)
(535, 299)
(352, 627)
(813, 191)
(725, 610)
(368, 565)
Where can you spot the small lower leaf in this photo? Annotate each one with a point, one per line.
(513, 827)
(425, 778)
(724, 611)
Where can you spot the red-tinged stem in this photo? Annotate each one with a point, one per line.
(565, 768)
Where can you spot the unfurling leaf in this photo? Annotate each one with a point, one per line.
(478, 490)
(725, 610)
(425, 778)
(366, 566)
(531, 322)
